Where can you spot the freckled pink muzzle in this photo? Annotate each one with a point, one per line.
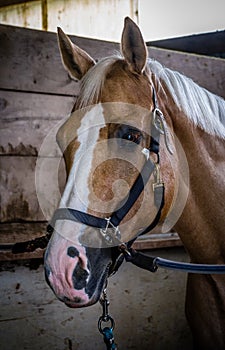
(76, 274)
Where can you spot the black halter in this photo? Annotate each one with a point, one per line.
(109, 227)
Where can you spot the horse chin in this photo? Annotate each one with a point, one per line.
(76, 304)
(79, 302)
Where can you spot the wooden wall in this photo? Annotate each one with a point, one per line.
(35, 94)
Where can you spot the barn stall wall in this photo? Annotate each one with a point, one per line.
(36, 94)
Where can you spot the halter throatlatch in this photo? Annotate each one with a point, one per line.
(109, 227)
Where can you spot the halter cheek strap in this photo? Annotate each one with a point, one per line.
(109, 227)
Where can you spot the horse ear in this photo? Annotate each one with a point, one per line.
(76, 61)
(133, 46)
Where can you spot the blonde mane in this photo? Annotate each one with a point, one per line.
(201, 107)
(92, 83)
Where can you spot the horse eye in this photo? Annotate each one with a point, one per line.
(133, 136)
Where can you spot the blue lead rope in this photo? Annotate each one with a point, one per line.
(109, 338)
(151, 263)
(189, 267)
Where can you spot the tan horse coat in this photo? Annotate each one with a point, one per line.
(201, 224)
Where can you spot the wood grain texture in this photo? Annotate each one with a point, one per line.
(27, 118)
(30, 61)
(21, 232)
(24, 194)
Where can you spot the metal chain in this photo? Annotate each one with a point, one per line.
(108, 330)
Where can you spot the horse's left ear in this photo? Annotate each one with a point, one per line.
(133, 46)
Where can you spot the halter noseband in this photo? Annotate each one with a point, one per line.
(109, 227)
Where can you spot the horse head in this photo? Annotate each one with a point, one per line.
(106, 142)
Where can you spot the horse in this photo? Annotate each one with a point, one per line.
(132, 111)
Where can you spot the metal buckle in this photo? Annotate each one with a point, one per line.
(157, 178)
(146, 153)
(110, 236)
(160, 124)
(158, 120)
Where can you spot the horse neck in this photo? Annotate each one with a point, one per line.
(202, 223)
(202, 229)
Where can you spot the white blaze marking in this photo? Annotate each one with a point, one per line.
(76, 192)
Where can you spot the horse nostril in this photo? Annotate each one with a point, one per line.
(72, 252)
(79, 277)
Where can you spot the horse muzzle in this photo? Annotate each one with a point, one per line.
(76, 274)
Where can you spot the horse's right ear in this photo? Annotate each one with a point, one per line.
(76, 61)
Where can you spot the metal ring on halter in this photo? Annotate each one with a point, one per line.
(158, 120)
(110, 236)
(160, 124)
(102, 319)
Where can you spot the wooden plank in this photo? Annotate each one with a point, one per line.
(18, 195)
(21, 231)
(30, 61)
(27, 118)
(8, 256)
(11, 233)
(156, 241)
(19, 199)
